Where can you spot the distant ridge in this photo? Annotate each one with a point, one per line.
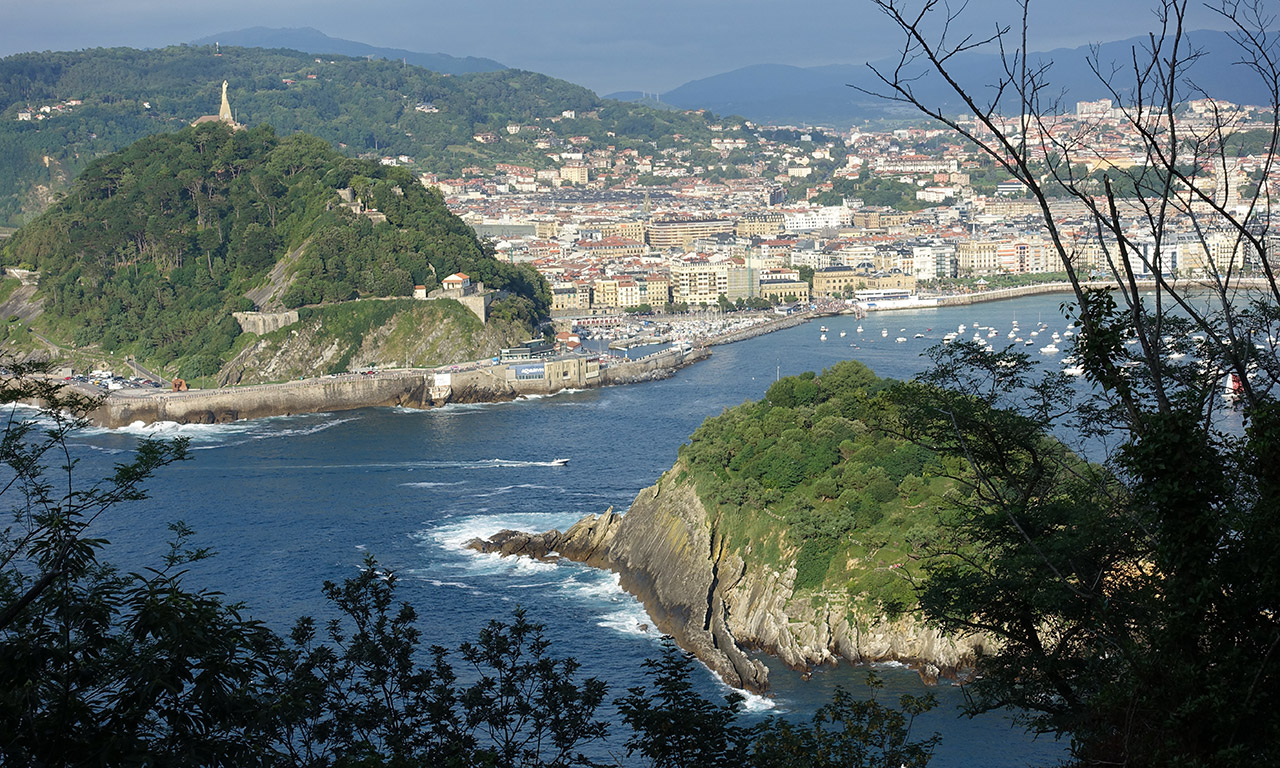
(309, 40)
(783, 94)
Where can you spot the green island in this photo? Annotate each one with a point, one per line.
(802, 525)
(804, 478)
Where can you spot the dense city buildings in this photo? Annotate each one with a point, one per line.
(783, 215)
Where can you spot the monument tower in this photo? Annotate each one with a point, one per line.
(224, 112)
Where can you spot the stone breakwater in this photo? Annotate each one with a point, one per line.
(409, 389)
(668, 552)
(758, 330)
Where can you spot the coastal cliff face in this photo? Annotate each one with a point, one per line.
(717, 601)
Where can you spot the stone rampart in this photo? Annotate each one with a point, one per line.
(216, 406)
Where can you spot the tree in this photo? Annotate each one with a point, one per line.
(127, 668)
(1132, 598)
(673, 726)
(849, 733)
(368, 693)
(134, 669)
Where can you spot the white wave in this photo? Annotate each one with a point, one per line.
(431, 485)
(216, 446)
(624, 613)
(102, 449)
(221, 434)
(606, 586)
(890, 664)
(500, 490)
(529, 565)
(453, 408)
(166, 429)
(439, 583)
(304, 430)
(631, 620)
(455, 535)
(543, 396)
(755, 703)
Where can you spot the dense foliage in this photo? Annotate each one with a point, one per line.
(872, 190)
(359, 105)
(675, 727)
(154, 247)
(1131, 597)
(807, 473)
(1134, 599)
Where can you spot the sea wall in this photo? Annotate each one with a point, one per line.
(773, 324)
(215, 406)
(411, 389)
(669, 553)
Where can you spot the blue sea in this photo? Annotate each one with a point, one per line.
(290, 502)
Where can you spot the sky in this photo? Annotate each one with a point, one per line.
(605, 45)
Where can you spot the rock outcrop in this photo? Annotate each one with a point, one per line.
(716, 604)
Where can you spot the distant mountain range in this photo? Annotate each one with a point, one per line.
(314, 41)
(781, 94)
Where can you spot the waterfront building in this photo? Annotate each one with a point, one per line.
(779, 291)
(978, 257)
(703, 283)
(655, 290)
(838, 280)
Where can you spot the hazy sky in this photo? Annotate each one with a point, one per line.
(606, 45)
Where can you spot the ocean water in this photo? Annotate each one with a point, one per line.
(291, 502)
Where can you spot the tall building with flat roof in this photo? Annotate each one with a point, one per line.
(665, 235)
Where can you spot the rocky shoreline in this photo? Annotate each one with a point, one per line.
(669, 554)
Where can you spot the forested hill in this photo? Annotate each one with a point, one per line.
(154, 247)
(385, 108)
(804, 479)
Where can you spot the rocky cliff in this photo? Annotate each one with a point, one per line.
(717, 601)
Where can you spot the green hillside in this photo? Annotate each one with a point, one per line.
(805, 476)
(359, 106)
(154, 247)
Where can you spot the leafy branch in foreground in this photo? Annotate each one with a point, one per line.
(673, 726)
